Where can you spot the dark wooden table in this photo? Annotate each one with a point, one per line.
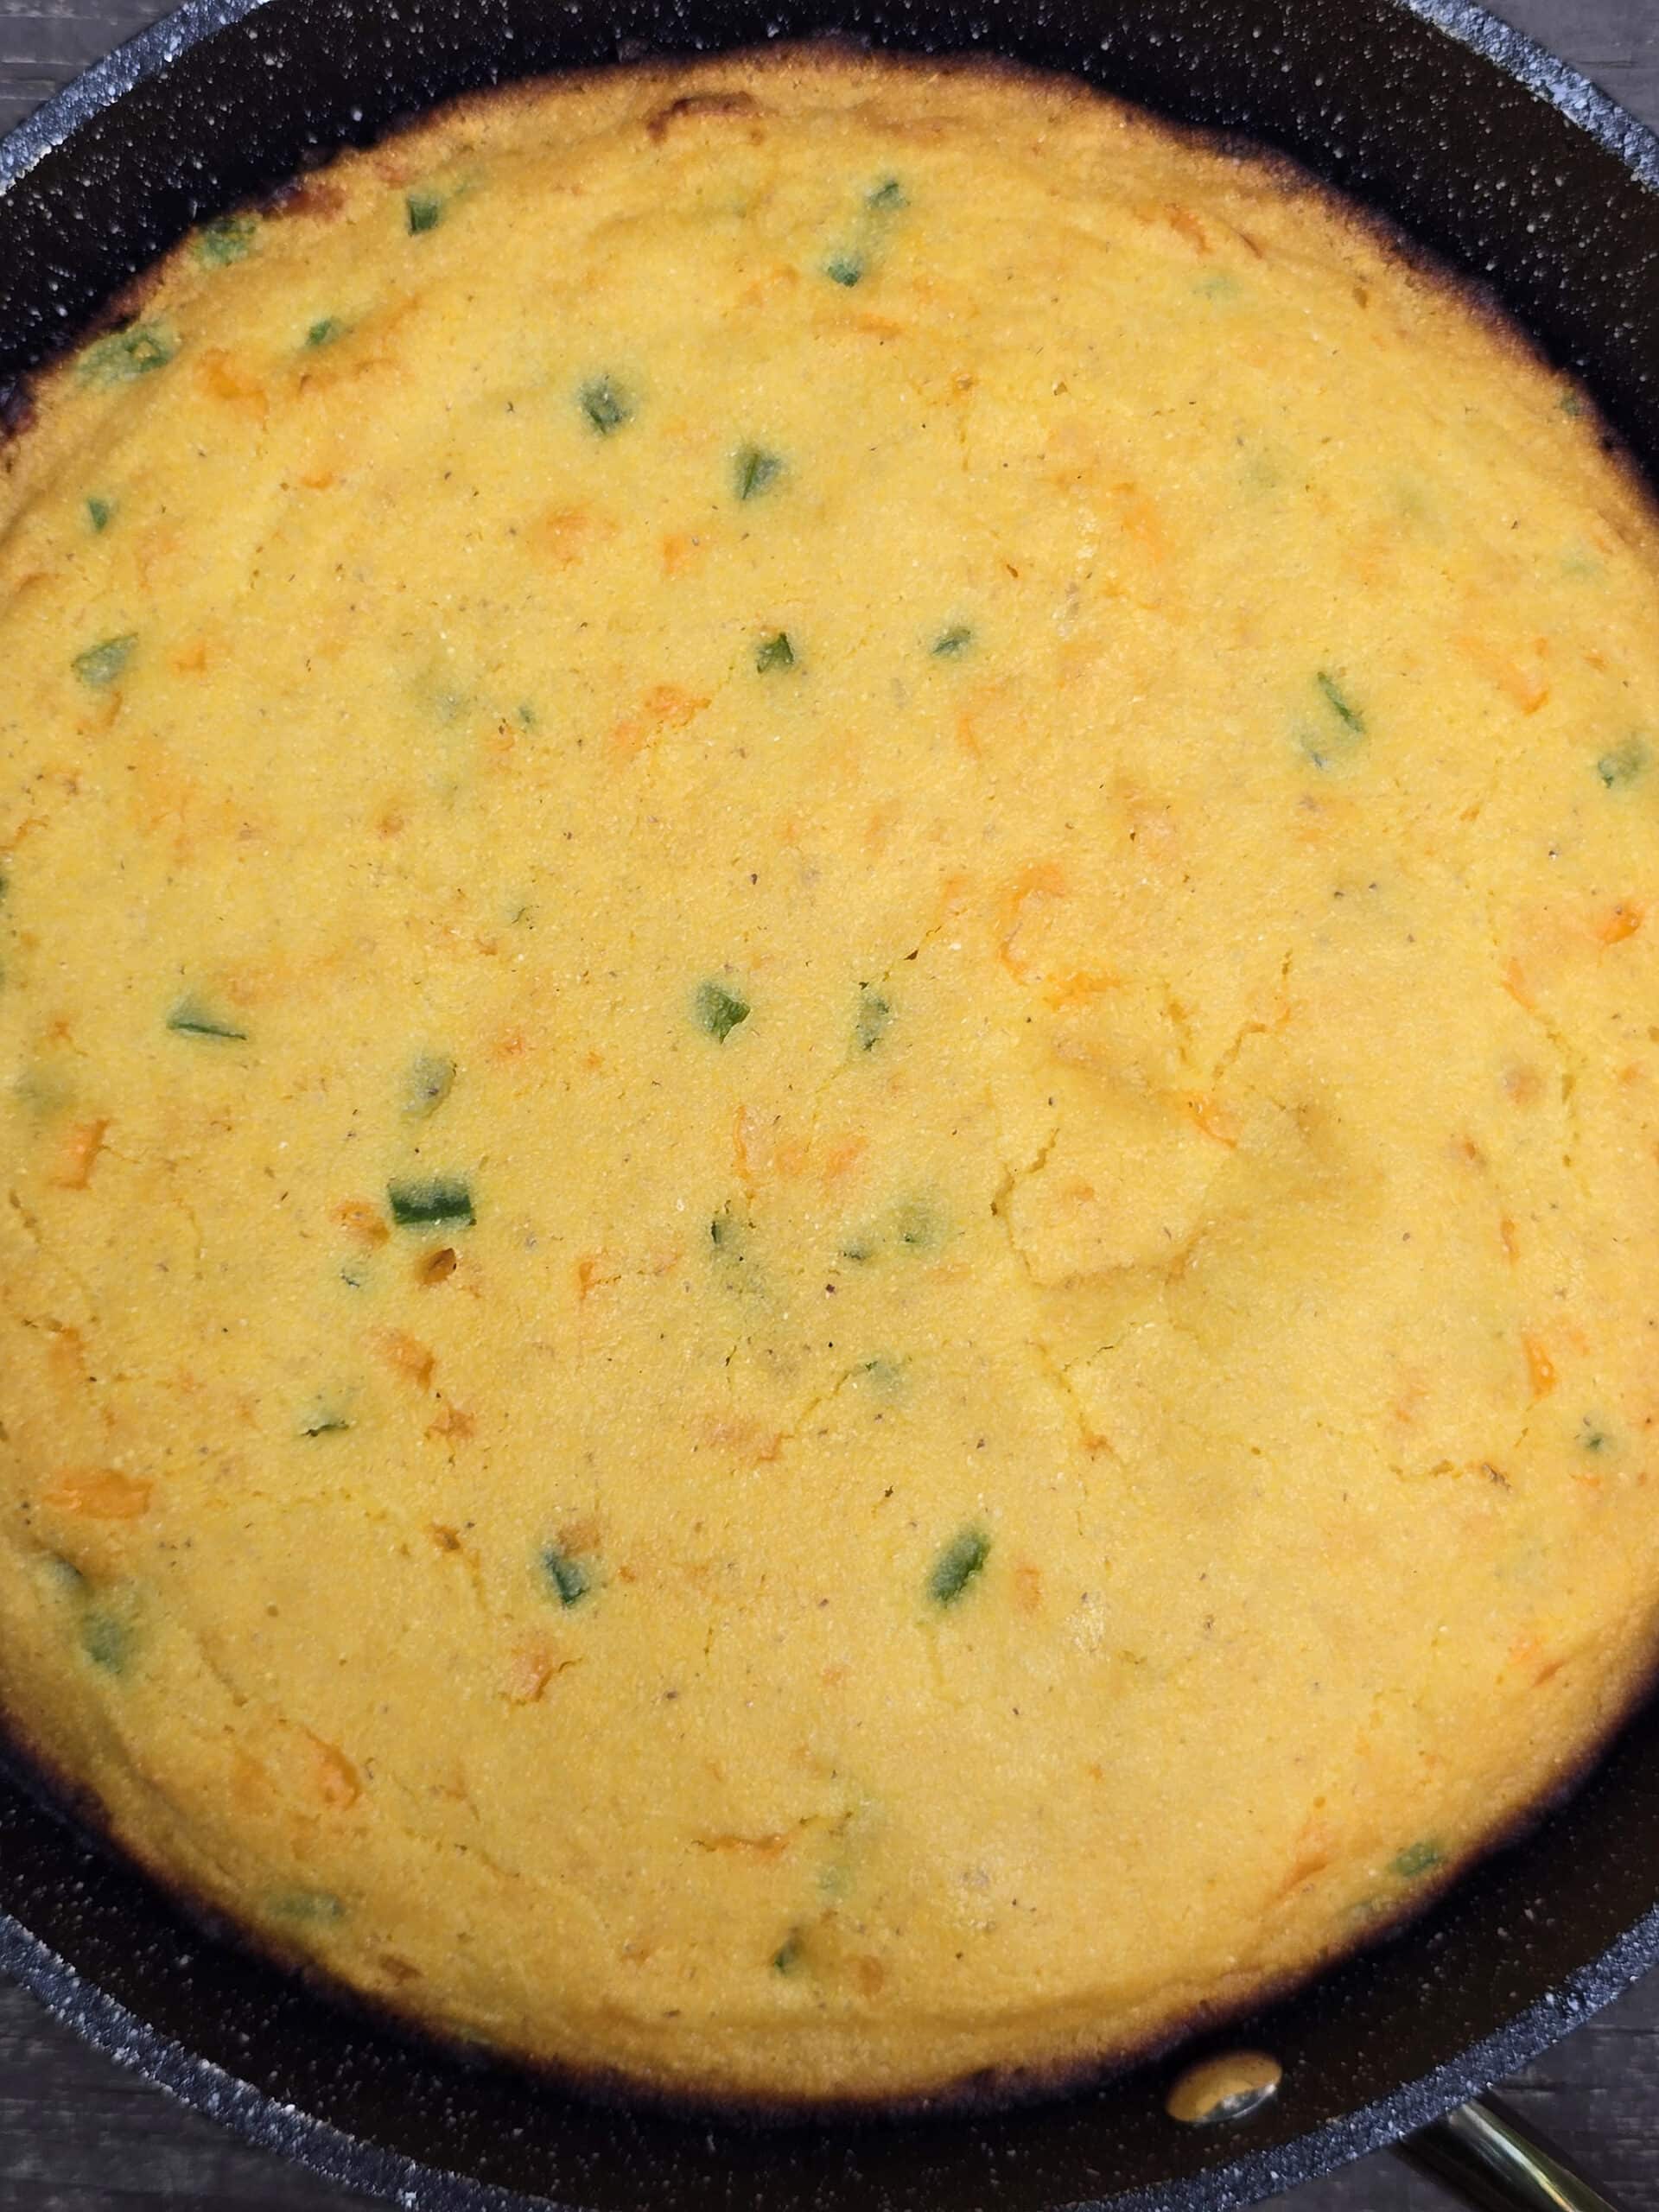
(78, 2135)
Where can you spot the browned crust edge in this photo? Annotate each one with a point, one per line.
(21, 395)
(986, 2090)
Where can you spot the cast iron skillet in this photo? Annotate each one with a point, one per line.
(1520, 172)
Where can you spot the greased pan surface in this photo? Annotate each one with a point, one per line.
(1467, 135)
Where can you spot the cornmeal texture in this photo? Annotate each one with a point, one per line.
(829, 1078)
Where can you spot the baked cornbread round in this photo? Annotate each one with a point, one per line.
(829, 1048)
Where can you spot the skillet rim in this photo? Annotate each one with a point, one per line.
(357, 2162)
(354, 2162)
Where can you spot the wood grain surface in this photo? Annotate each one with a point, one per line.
(78, 2135)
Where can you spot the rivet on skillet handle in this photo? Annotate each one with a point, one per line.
(1216, 2092)
(1487, 2155)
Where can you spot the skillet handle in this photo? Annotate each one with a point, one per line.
(1488, 2156)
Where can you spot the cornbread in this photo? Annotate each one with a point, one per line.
(829, 1077)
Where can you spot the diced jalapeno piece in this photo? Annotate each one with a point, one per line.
(191, 1017)
(564, 1575)
(324, 1423)
(126, 354)
(883, 1375)
(314, 1908)
(1417, 1859)
(1337, 736)
(431, 1077)
(107, 1640)
(606, 404)
(228, 238)
(727, 1231)
(1339, 703)
(719, 1010)
(431, 1204)
(755, 471)
(918, 1225)
(1623, 764)
(875, 1014)
(100, 665)
(960, 1563)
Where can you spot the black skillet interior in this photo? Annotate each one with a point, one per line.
(1486, 150)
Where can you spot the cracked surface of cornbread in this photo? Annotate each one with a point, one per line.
(829, 1077)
